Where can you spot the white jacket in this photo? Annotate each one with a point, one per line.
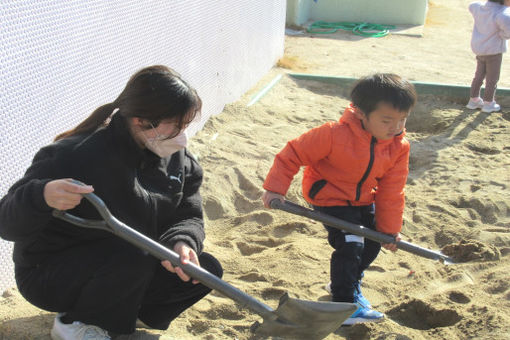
(491, 28)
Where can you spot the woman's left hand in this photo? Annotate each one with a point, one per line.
(187, 254)
(392, 246)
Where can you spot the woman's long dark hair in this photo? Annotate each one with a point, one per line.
(153, 93)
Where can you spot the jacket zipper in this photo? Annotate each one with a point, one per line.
(373, 141)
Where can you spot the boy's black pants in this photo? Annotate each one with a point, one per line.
(353, 254)
(110, 284)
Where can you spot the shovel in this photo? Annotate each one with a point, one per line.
(293, 319)
(359, 230)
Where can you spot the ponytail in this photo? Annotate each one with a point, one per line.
(97, 119)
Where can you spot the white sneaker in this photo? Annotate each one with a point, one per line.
(76, 331)
(475, 103)
(489, 107)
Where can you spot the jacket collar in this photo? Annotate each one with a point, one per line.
(125, 142)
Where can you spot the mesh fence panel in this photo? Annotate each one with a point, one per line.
(59, 60)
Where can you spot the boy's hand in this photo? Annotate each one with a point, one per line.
(268, 196)
(392, 246)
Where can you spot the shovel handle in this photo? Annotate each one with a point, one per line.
(358, 230)
(161, 252)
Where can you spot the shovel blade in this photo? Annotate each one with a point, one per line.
(302, 319)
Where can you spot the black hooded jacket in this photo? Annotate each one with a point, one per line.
(159, 197)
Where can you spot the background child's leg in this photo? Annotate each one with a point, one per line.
(492, 70)
(477, 82)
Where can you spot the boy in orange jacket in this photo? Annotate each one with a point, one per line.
(356, 170)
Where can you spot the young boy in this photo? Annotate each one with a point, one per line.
(356, 170)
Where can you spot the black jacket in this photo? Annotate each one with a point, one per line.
(158, 197)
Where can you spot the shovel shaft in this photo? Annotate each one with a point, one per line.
(159, 251)
(358, 230)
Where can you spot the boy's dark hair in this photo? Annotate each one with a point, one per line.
(388, 88)
(501, 2)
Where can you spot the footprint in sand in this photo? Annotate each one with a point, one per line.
(247, 187)
(418, 314)
(497, 286)
(253, 277)
(245, 205)
(483, 149)
(258, 245)
(213, 208)
(249, 249)
(225, 311)
(262, 218)
(286, 229)
(486, 209)
(198, 326)
(272, 293)
(458, 297)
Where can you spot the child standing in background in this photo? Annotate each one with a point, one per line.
(356, 170)
(490, 32)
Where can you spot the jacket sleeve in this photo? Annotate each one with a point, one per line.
(503, 21)
(188, 222)
(389, 197)
(23, 210)
(305, 150)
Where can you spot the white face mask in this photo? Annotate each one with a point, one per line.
(166, 147)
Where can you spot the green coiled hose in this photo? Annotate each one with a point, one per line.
(364, 29)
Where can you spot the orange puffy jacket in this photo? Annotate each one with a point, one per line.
(345, 165)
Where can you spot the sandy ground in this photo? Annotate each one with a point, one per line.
(458, 199)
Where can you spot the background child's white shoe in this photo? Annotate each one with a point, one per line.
(76, 331)
(475, 103)
(490, 107)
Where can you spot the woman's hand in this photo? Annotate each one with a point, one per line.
(268, 196)
(187, 254)
(63, 194)
(392, 246)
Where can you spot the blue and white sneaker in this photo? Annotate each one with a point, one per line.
(364, 314)
(359, 298)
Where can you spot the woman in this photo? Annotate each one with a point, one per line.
(131, 153)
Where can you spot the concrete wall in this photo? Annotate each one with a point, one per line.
(389, 12)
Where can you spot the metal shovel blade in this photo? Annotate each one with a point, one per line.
(302, 319)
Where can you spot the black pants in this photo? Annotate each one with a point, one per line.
(353, 254)
(110, 284)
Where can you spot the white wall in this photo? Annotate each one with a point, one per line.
(60, 59)
(388, 12)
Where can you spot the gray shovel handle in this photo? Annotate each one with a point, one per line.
(358, 230)
(143, 242)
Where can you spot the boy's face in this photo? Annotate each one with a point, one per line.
(385, 122)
